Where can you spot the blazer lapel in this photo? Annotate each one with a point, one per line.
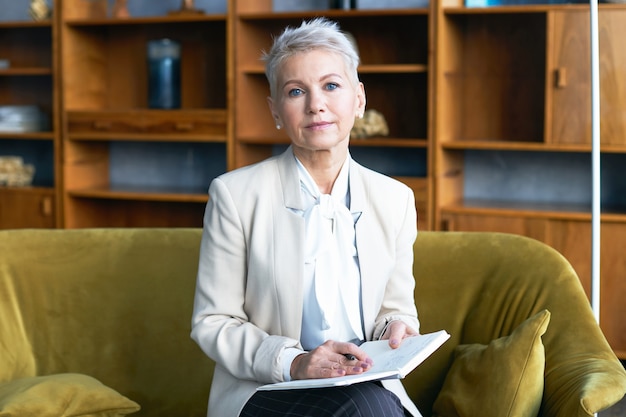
(366, 251)
(289, 256)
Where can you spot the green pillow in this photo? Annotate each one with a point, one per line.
(502, 379)
(62, 395)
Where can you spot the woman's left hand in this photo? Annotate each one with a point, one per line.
(396, 331)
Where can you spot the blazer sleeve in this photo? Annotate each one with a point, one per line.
(220, 324)
(398, 302)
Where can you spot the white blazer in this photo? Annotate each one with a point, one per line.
(248, 301)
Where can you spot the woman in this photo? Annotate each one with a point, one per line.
(308, 253)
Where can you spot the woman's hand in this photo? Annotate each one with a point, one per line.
(330, 360)
(397, 331)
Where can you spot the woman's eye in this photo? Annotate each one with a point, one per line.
(295, 92)
(332, 86)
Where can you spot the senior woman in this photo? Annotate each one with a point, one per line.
(308, 253)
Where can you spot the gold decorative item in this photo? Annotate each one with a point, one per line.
(187, 7)
(120, 9)
(39, 10)
(14, 173)
(372, 124)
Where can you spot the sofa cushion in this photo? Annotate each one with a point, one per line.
(62, 395)
(504, 378)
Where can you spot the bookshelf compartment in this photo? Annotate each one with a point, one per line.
(39, 153)
(27, 90)
(96, 212)
(407, 114)
(168, 171)
(106, 64)
(493, 75)
(26, 45)
(556, 181)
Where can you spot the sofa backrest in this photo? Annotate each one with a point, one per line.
(115, 304)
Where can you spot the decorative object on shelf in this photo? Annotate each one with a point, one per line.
(22, 119)
(187, 7)
(342, 4)
(5, 64)
(14, 173)
(39, 10)
(372, 124)
(299, 5)
(390, 4)
(120, 9)
(163, 74)
(97, 8)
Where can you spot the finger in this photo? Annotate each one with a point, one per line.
(397, 331)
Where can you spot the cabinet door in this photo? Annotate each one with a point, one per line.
(573, 240)
(26, 209)
(613, 285)
(571, 77)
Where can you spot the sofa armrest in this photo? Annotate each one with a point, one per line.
(62, 395)
(584, 387)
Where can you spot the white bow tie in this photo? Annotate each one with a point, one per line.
(331, 246)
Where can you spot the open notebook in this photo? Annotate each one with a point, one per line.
(388, 363)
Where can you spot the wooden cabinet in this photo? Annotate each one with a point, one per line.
(127, 164)
(513, 133)
(569, 73)
(396, 68)
(28, 77)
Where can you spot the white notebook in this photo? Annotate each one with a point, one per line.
(388, 363)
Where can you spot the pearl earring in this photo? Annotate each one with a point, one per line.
(278, 126)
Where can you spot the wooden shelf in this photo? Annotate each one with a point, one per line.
(363, 69)
(199, 125)
(12, 72)
(332, 13)
(158, 20)
(43, 136)
(26, 24)
(373, 142)
(530, 8)
(513, 208)
(526, 146)
(142, 194)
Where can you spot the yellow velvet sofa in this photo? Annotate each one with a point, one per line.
(96, 322)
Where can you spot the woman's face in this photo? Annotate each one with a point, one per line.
(316, 101)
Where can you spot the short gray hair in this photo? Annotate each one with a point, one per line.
(318, 33)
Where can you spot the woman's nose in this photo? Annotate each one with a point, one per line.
(315, 102)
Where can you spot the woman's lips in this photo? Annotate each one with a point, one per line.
(319, 125)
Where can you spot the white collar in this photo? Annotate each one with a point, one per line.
(340, 189)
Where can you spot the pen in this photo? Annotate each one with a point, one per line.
(349, 356)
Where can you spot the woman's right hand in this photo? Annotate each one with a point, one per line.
(330, 360)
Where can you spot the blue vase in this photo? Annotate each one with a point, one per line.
(163, 74)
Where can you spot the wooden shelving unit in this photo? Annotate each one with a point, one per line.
(31, 80)
(513, 142)
(125, 163)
